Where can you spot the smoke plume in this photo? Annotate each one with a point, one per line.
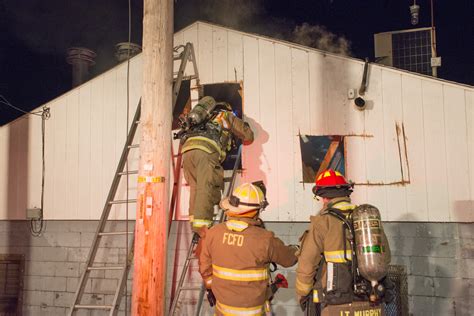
(251, 16)
(319, 37)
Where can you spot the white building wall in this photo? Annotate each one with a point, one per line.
(288, 90)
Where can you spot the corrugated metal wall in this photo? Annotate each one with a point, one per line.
(288, 90)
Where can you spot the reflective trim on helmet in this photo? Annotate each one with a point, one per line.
(240, 275)
(201, 223)
(237, 226)
(232, 310)
(337, 256)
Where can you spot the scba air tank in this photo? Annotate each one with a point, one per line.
(202, 110)
(371, 247)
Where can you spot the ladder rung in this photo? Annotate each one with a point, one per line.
(93, 306)
(128, 172)
(189, 77)
(134, 146)
(115, 233)
(227, 179)
(105, 268)
(123, 201)
(137, 122)
(190, 288)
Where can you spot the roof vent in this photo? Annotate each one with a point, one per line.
(81, 59)
(122, 50)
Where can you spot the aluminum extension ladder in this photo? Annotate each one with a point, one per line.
(184, 53)
(190, 253)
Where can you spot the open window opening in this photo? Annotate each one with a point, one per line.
(319, 153)
(232, 94)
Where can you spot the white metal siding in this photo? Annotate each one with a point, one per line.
(288, 90)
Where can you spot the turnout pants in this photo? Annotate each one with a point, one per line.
(205, 176)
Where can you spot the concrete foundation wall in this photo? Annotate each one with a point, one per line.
(438, 257)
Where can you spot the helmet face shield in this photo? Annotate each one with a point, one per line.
(331, 193)
(235, 201)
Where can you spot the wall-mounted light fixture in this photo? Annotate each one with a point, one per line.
(414, 12)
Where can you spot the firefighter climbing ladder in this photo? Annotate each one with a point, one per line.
(192, 246)
(182, 53)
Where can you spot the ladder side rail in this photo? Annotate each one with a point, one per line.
(182, 67)
(184, 56)
(176, 186)
(230, 188)
(106, 210)
(193, 57)
(176, 260)
(182, 277)
(122, 281)
(234, 172)
(200, 300)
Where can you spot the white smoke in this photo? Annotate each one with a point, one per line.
(235, 14)
(250, 16)
(319, 37)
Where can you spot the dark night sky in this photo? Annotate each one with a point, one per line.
(36, 33)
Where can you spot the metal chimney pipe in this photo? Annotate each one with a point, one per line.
(122, 50)
(81, 59)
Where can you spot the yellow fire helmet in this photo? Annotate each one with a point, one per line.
(246, 200)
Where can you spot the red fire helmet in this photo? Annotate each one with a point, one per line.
(330, 179)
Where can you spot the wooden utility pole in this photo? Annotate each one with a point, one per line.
(149, 276)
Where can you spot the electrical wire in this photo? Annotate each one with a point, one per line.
(37, 225)
(4, 101)
(126, 137)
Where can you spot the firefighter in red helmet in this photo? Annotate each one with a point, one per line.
(324, 276)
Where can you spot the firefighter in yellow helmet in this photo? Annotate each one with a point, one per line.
(325, 276)
(206, 138)
(235, 257)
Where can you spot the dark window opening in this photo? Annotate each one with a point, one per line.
(11, 284)
(319, 153)
(232, 94)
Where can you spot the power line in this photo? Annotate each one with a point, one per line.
(4, 101)
(126, 136)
